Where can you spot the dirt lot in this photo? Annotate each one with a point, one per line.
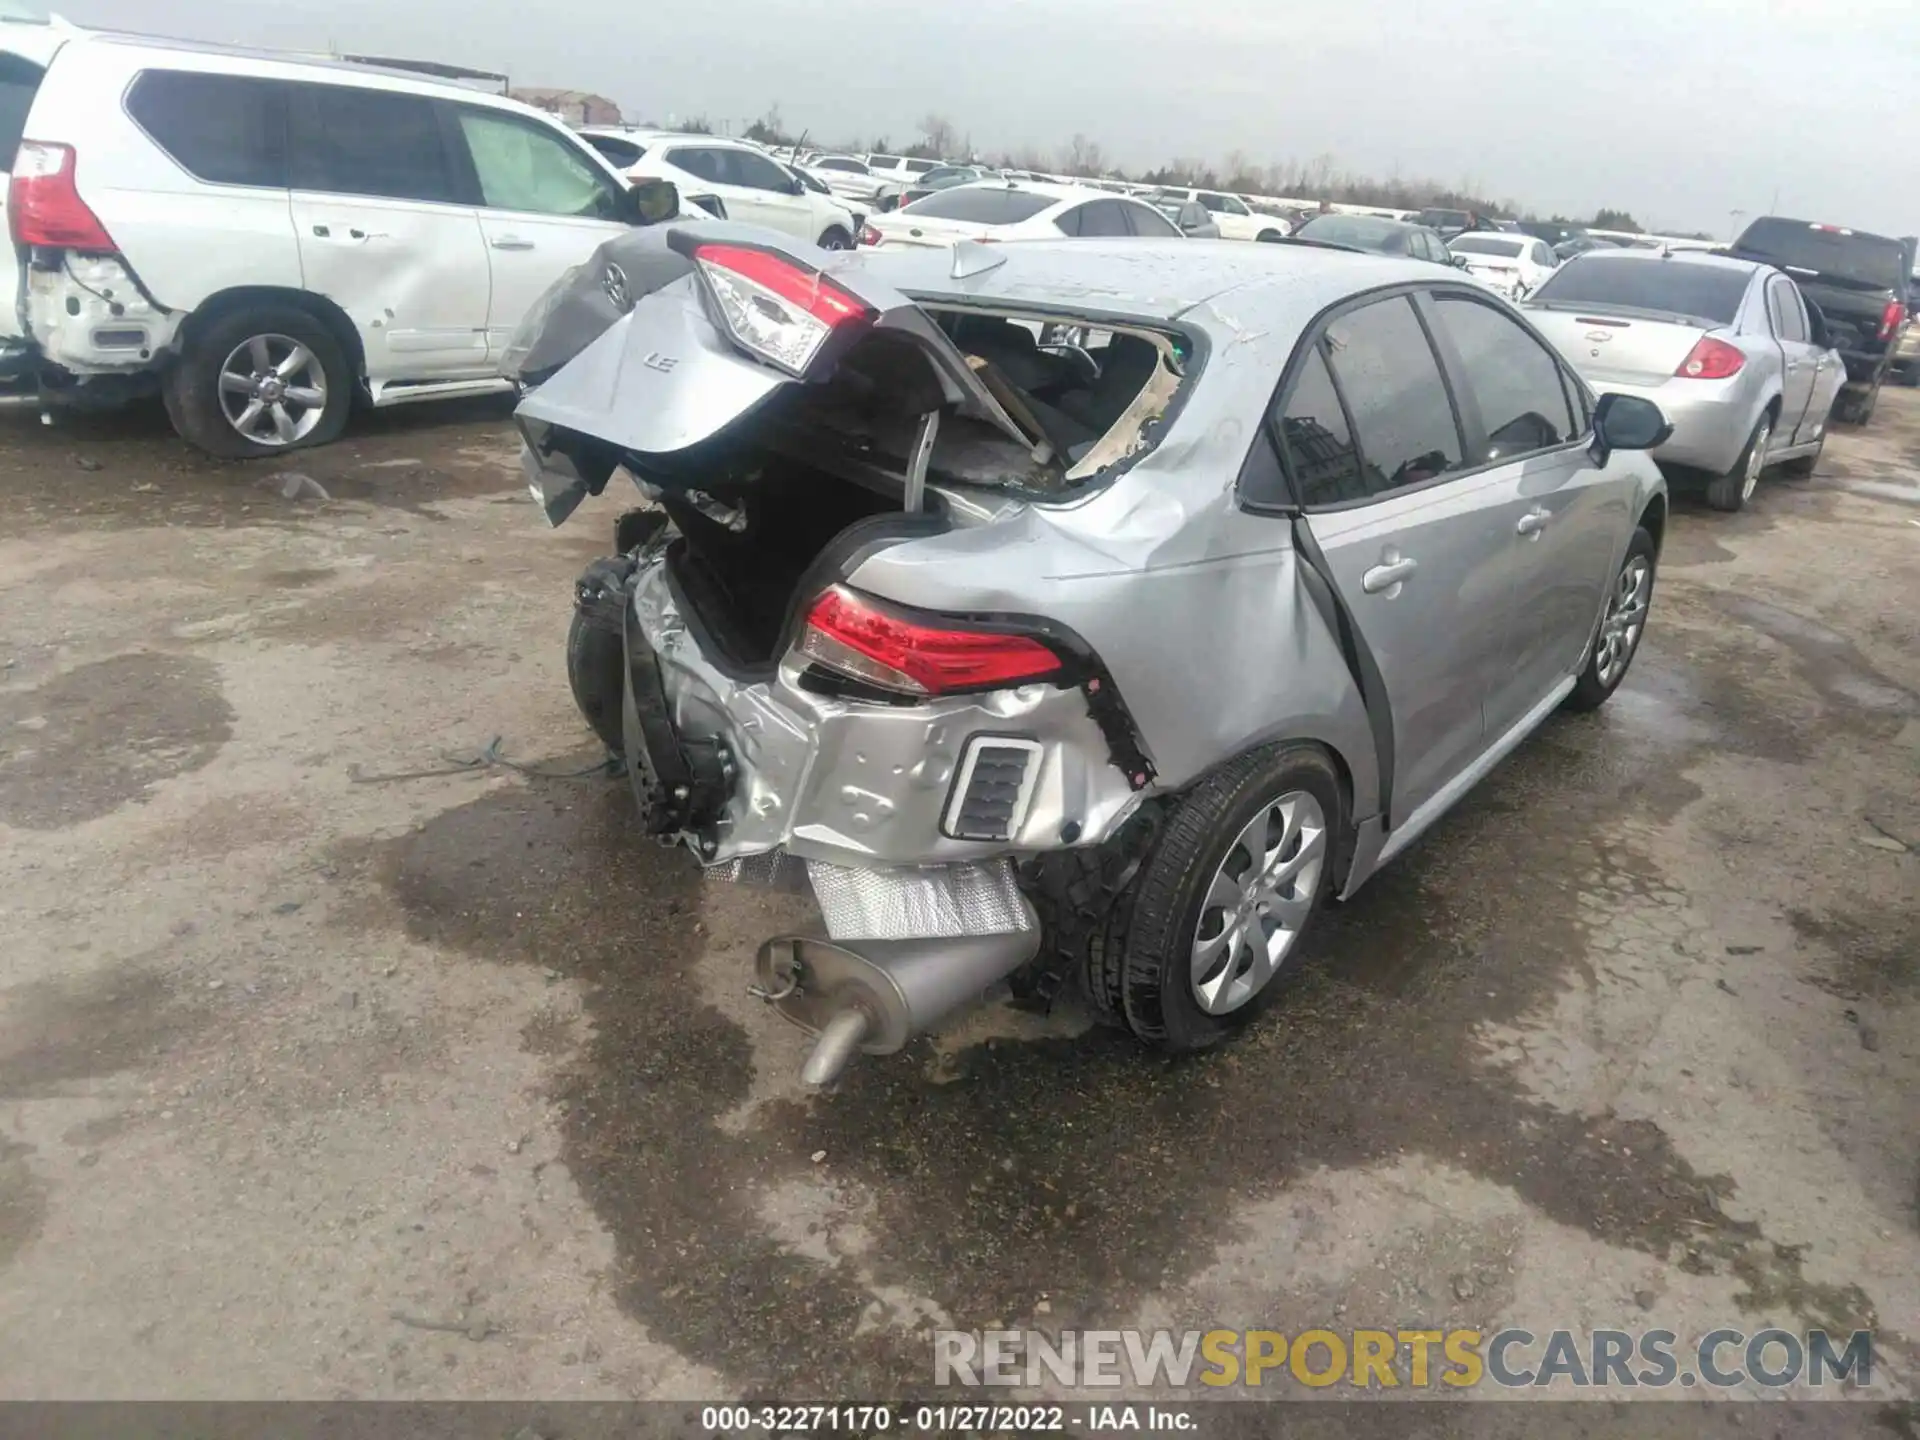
(314, 1083)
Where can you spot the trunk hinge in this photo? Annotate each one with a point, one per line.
(919, 461)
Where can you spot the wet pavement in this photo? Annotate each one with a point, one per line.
(319, 1081)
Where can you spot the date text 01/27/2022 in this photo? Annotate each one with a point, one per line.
(938, 1419)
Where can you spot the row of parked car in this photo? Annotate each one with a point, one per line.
(270, 241)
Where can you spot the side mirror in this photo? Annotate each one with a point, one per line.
(1627, 422)
(651, 201)
(1459, 261)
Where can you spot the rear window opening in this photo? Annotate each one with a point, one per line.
(761, 504)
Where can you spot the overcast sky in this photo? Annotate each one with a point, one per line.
(1677, 110)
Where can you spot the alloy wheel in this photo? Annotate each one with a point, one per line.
(273, 390)
(1756, 461)
(1626, 618)
(1258, 902)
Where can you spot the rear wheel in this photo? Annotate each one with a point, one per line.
(1269, 237)
(1732, 490)
(1618, 639)
(1236, 875)
(836, 239)
(260, 381)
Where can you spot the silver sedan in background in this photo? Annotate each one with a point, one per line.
(1729, 349)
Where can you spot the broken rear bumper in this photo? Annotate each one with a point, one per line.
(850, 782)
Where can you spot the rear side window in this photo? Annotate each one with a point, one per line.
(19, 83)
(1669, 287)
(1784, 305)
(1391, 382)
(1103, 217)
(1523, 399)
(1314, 437)
(350, 141)
(224, 129)
(1150, 222)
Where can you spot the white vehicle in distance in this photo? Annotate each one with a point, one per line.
(998, 210)
(749, 183)
(1514, 265)
(1231, 214)
(901, 168)
(848, 177)
(267, 239)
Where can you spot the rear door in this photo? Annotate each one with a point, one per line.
(1564, 519)
(1418, 550)
(385, 232)
(544, 207)
(1800, 371)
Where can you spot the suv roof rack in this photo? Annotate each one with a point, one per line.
(435, 68)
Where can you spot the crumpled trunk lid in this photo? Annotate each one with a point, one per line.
(626, 354)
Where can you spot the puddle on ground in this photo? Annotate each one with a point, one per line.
(92, 739)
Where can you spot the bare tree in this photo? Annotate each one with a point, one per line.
(1082, 156)
(939, 136)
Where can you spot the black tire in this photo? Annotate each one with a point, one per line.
(836, 238)
(1728, 492)
(1594, 686)
(192, 387)
(1269, 237)
(1140, 964)
(595, 658)
(1855, 407)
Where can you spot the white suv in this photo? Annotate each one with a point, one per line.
(273, 238)
(1231, 214)
(749, 183)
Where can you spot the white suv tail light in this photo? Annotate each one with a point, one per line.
(45, 205)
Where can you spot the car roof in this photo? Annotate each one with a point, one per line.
(1624, 255)
(395, 75)
(1517, 236)
(1147, 279)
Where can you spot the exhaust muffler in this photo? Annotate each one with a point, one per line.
(873, 996)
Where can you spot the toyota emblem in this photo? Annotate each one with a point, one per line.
(614, 283)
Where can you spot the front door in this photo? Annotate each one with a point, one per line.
(1417, 550)
(544, 208)
(1563, 514)
(383, 232)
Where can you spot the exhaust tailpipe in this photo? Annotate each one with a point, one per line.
(873, 996)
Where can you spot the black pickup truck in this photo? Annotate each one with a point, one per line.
(1859, 283)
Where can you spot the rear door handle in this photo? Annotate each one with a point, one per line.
(1387, 576)
(511, 242)
(1534, 521)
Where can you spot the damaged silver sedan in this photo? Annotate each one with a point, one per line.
(1079, 613)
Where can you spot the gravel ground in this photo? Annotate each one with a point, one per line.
(316, 1083)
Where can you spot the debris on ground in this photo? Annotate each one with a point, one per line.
(292, 485)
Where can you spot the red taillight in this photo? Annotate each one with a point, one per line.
(779, 309)
(869, 235)
(1891, 318)
(45, 202)
(846, 634)
(1711, 359)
